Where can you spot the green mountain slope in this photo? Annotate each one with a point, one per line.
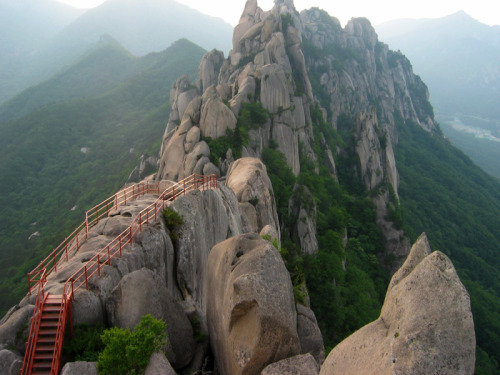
(444, 194)
(45, 173)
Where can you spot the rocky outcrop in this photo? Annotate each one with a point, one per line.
(376, 157)
(14, 328)
(251, 313)
(355, 71)
(152, 276)
(10, 363)
(302, 211)
(141, 292)
(311, 340)
(299, 365)
(254, 191)
(158, 364)
(209, 217)
(78, 368)
(425, 326)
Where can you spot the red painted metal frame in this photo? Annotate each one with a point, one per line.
(147, 215)
(35, 325)
(103, 257)
(72, 243)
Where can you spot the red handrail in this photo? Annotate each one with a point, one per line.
(72, 243)
(150, 213)
(93, 266)
(59, 341)
(35, 325)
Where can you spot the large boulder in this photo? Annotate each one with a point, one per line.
(209, 217)
(14, 330)
(10, 363)
(140, 293)
(248, 178)
(78, 368)
(311, 340)
(159, 365)
(251, 313)
(425, 326)
(303, 364)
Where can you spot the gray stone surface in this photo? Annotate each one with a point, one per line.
(249, 180)
(311, 340)
(10, 363)
(140, 293)
(159, 365)
(14, 331)
(251, 314)
(79, 368)
(425, 326)
(209, 218)
(299, 365)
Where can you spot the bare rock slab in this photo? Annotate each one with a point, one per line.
(299, 365)
(251, 314)
(425, 326)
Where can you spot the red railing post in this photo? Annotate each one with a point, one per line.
(29, 284)
(55, 262)
(98, 265)
(86, 279)
(156, 203)
(140, 221)
(66, 248)
(109, 257)
(107, 209)
(130, 234)
(120, 239)
(125, 196)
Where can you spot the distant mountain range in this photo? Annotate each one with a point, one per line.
(40, 37)
(459, 59)
(457, 56)
(73, 140)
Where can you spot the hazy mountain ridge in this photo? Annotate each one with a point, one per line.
(457, 56)
(77, 152)
(282, 101)
(150, 26)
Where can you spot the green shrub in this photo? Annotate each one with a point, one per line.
(86, 343)
(128, 352)
(172, 220)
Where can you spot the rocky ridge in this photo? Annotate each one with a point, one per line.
(218, 269)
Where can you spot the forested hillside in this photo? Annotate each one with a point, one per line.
(64, 157)
(444, 194)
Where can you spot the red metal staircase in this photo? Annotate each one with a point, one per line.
(48, 324)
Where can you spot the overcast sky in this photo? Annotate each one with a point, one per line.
(485, 11)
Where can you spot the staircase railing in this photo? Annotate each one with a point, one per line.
(35, 326)
(143, 219)
(94, 265)
(72, 243)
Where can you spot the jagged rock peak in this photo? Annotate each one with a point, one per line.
(425, 326)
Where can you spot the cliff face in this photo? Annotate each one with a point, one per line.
(361, 88)
(287, 77)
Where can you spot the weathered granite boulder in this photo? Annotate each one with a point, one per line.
(10, 363)
(14, 330)
(425, 326)
(208, 70)
(159, 365)
(209, 218)
(216, 117)
(79, 368)
(311, 340)
(140, 293)
(251, 313)
(302, 210)
(248, 179)
(303, 364)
